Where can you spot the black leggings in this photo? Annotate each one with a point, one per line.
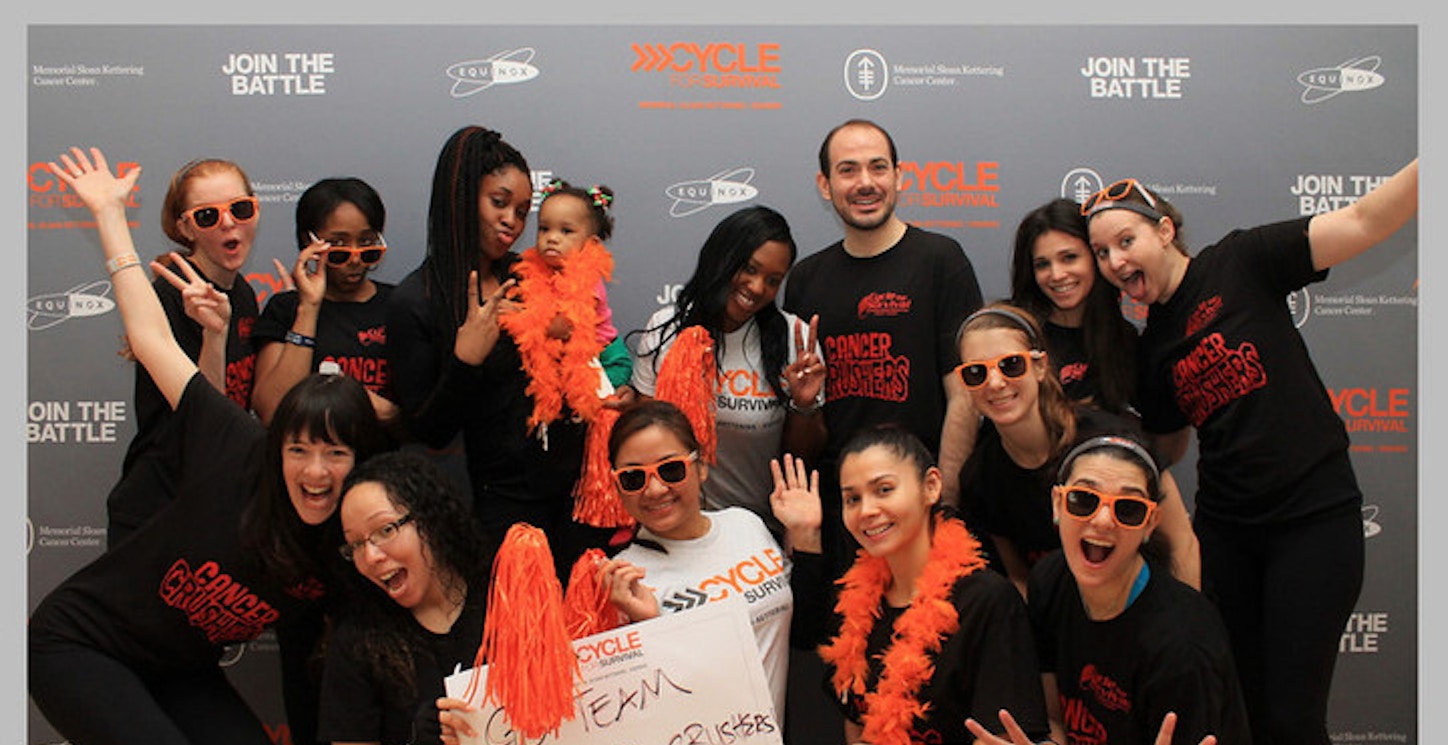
(93, 699)
(1285, 594)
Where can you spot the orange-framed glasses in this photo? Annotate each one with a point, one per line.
(1083, 502)
(208, 216)
(1013, 365)
(633, 479)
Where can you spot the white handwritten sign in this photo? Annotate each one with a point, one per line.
(691, 678)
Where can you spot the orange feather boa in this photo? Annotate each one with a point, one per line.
(892, 708)
(558, 370)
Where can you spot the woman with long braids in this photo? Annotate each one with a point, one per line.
(455, 370)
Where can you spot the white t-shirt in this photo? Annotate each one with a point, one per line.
(737, 561)
(749, 418)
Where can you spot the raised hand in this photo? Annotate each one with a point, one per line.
(1014, 734)
(91, 179)
(204, 303)
(804, 378)
(308, 276)
(795, 502)
(479, 331)
(1168, 728)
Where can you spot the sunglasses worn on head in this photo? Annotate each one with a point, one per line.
(1115, 193)
(1129, 511)
(1013, 365)
(207, 216)
(669, 471)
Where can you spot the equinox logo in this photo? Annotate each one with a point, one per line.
(86, 299)
(866, 75)
(513, 66)
(724, 187)
(1354, 75)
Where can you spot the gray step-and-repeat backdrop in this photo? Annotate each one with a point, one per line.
(1237, 125)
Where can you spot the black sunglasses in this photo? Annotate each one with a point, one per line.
(1127, 510)
(1013, 365)
(206, 216)
(670, 471)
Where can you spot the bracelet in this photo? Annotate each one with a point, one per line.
(812, 408)
(293, 337)
(122, 262)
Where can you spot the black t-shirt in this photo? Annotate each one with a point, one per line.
(1117, 679)
(1223, 355)
(440, 396)
(887, 327)
(1000, 498)
(146, 484)
(358, 707)
(987, 665)
(185, 587)
(354, 335)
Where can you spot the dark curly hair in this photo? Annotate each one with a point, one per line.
(417, 487)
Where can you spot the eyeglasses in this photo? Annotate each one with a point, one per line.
(208, 216)
(1082, 502)
(1115, 193)
(378, 538)
(670, 471)
(1013, 365)
(369, 248)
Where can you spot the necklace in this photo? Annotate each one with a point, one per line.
(891, 709)
(559, 370)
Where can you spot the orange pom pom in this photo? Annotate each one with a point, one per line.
(595, 500)
(588, 607)
(532, 669)
(687, 377)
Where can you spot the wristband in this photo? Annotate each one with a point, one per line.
(121, 262)
(812, 408)
(293, 337)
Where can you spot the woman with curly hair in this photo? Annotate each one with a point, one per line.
(414, 608)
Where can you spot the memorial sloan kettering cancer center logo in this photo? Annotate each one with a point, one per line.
(868, 75)
(730, 186)
(509, 66)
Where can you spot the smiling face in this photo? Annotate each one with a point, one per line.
(313, 471)
(402, 566)
(1004, 400)
(670, 511)
(504, 199)
(221, 250)
(863, 181)
(756, 283)
(1137, 255)
(1065, 270)
(1103, 556)
(565, 223)
(886, 503)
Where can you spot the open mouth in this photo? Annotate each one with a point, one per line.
(393, 580)
(1096, 552)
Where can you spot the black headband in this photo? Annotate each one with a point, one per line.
(1103, 441)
